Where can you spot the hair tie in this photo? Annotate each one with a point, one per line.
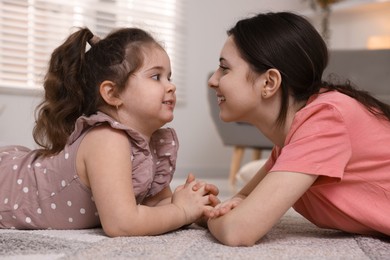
(94, 40)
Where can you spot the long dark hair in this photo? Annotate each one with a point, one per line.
(72, 81)
(290, 44)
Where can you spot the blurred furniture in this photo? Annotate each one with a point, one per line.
(239, 135)
(367, 69)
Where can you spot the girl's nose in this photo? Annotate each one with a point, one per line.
(171, 87)
(212, 82)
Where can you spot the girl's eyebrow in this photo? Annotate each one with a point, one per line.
(223, 60)
(156, 68)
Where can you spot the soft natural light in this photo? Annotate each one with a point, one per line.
(31, 29)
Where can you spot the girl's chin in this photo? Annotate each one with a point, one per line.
(226, 118)
(169, 119)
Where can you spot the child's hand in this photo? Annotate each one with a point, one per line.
(194, 203)
(211, 189)
(223, 208)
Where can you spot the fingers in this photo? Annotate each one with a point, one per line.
(214, 212)
(217, 212)
(198, 185)
(212, 189)
(190, 178)
(213, 200)
(209, 188)
(221, 209)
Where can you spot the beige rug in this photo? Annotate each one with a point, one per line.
(292, 238)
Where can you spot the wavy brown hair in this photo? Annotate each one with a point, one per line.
(72, 81)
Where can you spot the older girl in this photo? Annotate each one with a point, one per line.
(331, 160)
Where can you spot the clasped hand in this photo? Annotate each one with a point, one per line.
(196, 198)
(223, 208)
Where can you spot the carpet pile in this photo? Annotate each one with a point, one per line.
(292, 238)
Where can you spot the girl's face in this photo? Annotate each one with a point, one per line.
(149, 97)
(237, 95)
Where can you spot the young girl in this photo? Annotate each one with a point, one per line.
(331, 160)
(104, 159)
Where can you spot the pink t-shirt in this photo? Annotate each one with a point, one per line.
(335, 137)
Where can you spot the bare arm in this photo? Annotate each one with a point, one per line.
(105, 157)
(261, 209)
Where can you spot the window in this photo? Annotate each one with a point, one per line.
(31, 29)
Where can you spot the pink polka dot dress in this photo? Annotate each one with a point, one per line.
(46, 192)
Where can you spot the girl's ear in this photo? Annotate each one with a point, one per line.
(273, 80)
(109, 93)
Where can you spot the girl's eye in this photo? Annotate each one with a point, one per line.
(223, 68)
(156, 77)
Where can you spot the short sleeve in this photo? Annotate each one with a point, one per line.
(317, 143)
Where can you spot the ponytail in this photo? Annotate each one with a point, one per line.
(64, 98)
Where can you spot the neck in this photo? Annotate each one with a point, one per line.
(278, 133)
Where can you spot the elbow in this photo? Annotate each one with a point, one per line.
(232, 234)
(235, 240)
(118, 229)
(115, 231)
(112, 233)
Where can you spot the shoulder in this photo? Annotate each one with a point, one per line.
(103, 142)
(320, 109)
(106, 136)
(333, 100)
(336, 107)
(331, 107)
(102, 147)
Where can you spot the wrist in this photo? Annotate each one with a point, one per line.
(181, 214)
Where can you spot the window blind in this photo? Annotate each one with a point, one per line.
(31, 29)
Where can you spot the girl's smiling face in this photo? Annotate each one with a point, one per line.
(234, 84)
(149, 98)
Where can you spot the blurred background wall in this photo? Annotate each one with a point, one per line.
(352, 24)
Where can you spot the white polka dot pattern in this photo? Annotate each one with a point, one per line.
(46, 192)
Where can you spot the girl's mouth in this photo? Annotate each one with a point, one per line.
(169, 103)
(221, 99)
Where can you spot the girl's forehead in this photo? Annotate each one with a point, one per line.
(155, 57)
(230, 53)
(229, 49)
